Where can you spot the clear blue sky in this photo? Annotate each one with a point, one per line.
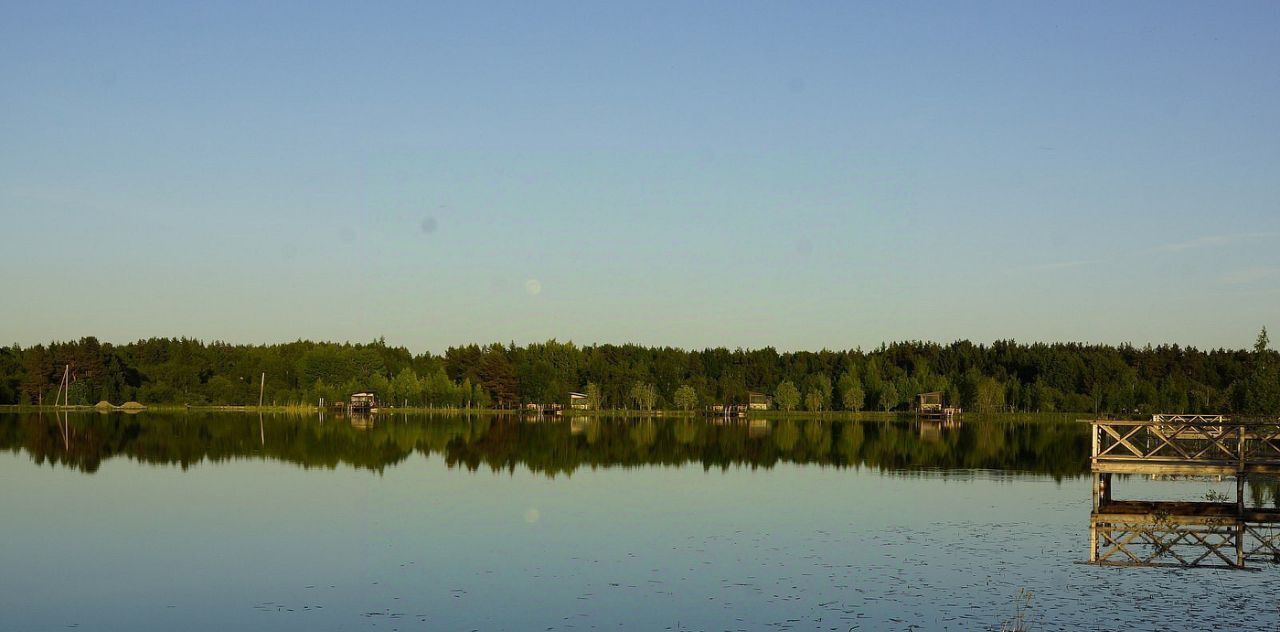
(802, 175)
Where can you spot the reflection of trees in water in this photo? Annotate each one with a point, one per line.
(644, 433)
(685, 432)
(817, 435)
(786, 435)
(552, 447)
(1264, 491)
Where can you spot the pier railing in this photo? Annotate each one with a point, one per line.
(1186, 442)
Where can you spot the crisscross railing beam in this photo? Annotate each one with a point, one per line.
(1188, 441)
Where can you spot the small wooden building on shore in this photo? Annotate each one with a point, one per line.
(579, 401)
(759, 401)
(363, 403)
(930, 406)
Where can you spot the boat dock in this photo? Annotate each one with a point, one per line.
(1214, 534)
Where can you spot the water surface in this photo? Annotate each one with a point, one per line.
(225, 521)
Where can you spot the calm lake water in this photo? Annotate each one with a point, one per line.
(220, 521)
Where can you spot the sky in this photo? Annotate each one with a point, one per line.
(800, 175)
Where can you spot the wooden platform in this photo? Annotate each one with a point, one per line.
(1183, 534)
(1136, 511)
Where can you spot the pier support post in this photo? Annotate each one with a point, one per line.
(1101, 490)
(1240, 544)
(1097, 491)
(1240, 494)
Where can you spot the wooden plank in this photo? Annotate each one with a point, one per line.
(1171, 467)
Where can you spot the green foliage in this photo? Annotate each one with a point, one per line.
(889, 398)
(644, 395)
(1002, 376)
(1260, 391)
(813, 401)
(685, 397)
(787, 396)
(988, 395)
(852, 395)
(817, 392)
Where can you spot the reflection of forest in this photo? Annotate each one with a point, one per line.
(1010, 443)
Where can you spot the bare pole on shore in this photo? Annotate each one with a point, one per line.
(64, 386)
(262, 387)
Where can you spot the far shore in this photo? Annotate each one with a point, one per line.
(838, 415)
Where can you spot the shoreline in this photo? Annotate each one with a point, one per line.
(839, 415)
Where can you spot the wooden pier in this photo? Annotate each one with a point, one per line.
(1183, 534)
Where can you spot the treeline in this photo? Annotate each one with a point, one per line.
(1004, 376)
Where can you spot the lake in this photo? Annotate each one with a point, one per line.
(221, 521)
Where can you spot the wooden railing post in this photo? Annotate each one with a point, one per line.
(1241, 449)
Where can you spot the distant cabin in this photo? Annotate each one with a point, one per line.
(759, 401)
(929, 406)
(579, 401)
(363, 402)
(928, 402)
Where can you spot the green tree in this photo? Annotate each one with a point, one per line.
(1262, 385)
(439, 390)
(644, 395)
(989, 396)
(381, 387)
(817, 392)
(685, 398)
(593, 396)
(813, 401)
(852, 397)
(407, 388)
(889, 398)
(787, 396)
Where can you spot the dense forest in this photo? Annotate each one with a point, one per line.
(1004, 376)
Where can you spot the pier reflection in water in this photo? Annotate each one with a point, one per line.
(1183, 534)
